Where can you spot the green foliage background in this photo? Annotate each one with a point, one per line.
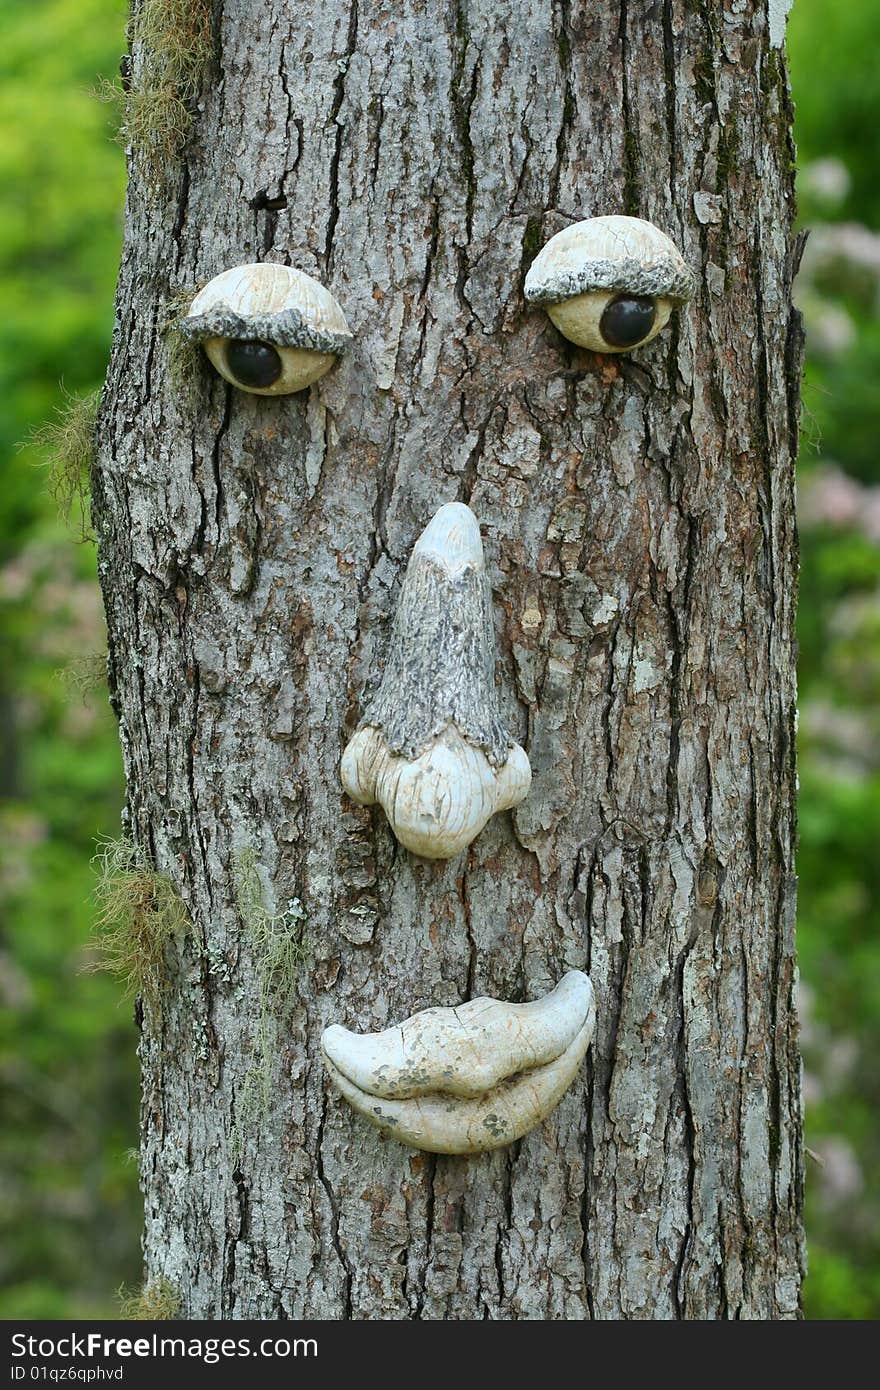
(69, 1207)
(835, 69)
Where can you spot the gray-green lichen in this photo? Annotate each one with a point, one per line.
(139, 915)
(277, 945)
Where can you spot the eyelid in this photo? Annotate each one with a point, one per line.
(289, 328)
(619, 254)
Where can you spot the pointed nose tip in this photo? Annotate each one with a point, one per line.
(452, 538)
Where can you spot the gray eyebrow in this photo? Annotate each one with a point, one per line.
(666, 278)
(288, 328)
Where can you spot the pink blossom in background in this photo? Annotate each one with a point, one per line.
(827, 180)
(830, 497)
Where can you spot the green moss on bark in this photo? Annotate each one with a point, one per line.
(278, 946)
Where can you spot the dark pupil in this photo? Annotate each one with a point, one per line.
(627, 320)
(253, 364)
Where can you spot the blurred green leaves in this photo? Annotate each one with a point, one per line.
(60, 227)
(835, 69)
(834, 60)
(68, 1079)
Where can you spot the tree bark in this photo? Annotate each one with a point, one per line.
(638, 518)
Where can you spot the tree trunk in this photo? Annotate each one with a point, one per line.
(637, 514)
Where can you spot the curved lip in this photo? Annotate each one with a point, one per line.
(465, 1050)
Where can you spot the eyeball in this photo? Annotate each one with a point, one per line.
(268, 329)
(610, 283)
(608, 322)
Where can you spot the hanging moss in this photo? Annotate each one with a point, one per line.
(171, 43)
(83, 674)
(67, 444)
(139, 914)
(156, 1301)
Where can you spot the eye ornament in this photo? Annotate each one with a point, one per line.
(268, 329)
(610, 283)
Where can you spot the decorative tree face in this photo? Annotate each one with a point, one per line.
(432, 749)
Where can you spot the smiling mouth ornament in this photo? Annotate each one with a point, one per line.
(610, 283)
(467, 1079)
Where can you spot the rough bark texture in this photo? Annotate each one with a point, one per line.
(638, 520)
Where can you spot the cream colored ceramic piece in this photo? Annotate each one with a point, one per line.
(581, 320)
(440, 802)
(431, 749)
(265, 320)
(470, 1078)
(610, 283)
